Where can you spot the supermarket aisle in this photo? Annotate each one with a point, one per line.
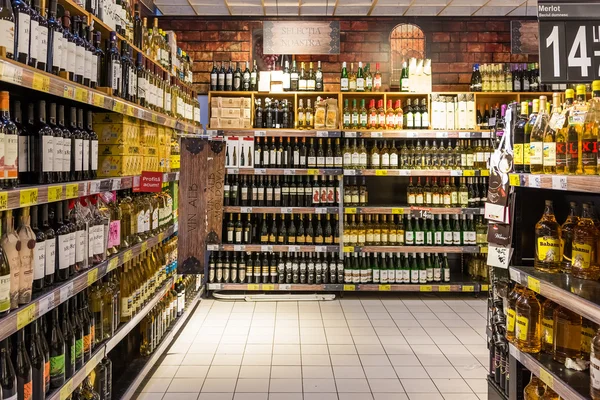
(356, 348)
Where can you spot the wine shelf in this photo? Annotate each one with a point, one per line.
(578, 295)
(415, 172)
(34, 79)
(284, 171)
(56, 295)
(419, 212)
(142, 367)
(442, 287)
(274, 248)
(576, 183)
(274, 132)
(70, 385)
(41, 194)
(416, 134)
(568, 384)
(411, 249)
(281, 210)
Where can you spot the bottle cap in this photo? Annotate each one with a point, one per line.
(4, 100)
(569, 93)
(580, 90)
(595, 85)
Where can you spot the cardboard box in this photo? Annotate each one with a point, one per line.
(111, 166)
(230, 123)
(113, 118)
(231, 113)
(246, 113)
(232, 158)
(117, 133)
(247, 102)
(245, 123)
(247, 150)
(215, 112)
(214, 122)
(118, 150)
(230, 102)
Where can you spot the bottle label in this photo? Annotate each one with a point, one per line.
(589, 152)
(344, 84)
(24, 21)
(547, 330)
(79, 60)
(510, 320)
(42, 44)
(66, 152)
(78, 154)
(34, 39)
(80, 241)
(581, 255)
(65, 53)
(48, 153)
(548, 249)
(116, 75)
(522, 327)
(594, 371)
(536, 153)
(57, 366)
(63, 252)
(23, 153)
(94, 154)
(39, 261)
(11, 152)
(72, 247)
(4, 293)
(50, 257)
(79, 348)
(86, 155)
(94, 68)
(375, 163)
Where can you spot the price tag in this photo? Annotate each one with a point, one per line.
(98, 100)
(376, 134)
(246, 210)
(127, 256)
(534, 181)
(260, 133)
(321, 249)
(285, 287)
(559, 182)
(129, 110)
(468, 172)
(3, 201)
(485, 287)
(144, 247)
(425, 288)
(322, 134)
(456, 172)
(72, 190)
(349, 172)
(533, 284)
(397, 210)
(348, 249)
(417, 212)
(350, 134)
(81, 95)
(349, 288)
(444, 288)
(483, 250)
(289, 172)
(464, 135)
(66, 390)
(286, 210)
(385, 288)
(112, 264)
(252, 286)
(68, 91)
(381, 172)
(268, 248)
(484, 172)
(239, 247)
(349, 210)
(268, 286)
(514, 179)
(233, 171)
(293, 248)
(161, 236)
(154, 118)
(411, 134)
(547, 378)
(260, 171)
(312, 172)
(468, 288)
(404, 172)
(66, 292)
(28, 197)
(41, 82)
(213, 247)
(25, 316)
(13, 74)
(323, 210)
(55, 193)
(118, 107)
(115, 184)
(92, 276)
(441, 135)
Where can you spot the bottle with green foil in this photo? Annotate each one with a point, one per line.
(78, 329)
(69, 336)
(57, 352)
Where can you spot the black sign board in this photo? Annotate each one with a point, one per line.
(569, 42)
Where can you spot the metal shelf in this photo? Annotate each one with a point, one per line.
(412, 209)
(274, 248)
(56, 295)
(568, 384)
(411, 249)
(41, 194)
(281, 210)
(283, 171)
(575, 183)
(416, 134)
(579, 295)
(416, 172)
(275, 132)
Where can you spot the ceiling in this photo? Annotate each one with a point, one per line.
(482, 8)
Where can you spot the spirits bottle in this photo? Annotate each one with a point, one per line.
(577, 115)
(528, 323)
(550, 138)
(24, 372)
(584, 254)
(57, 352)
(36, 355)
(519, 139)
(548, 242)
(567, 334)
(68, 333)
(594, 367)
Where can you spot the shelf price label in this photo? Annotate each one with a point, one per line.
(534, 181)
(469, 172)
(468, 288)
(547, 378)
(127, 256)
(381, 172)
(66, 390)
(268, 286)
(144, 247)
(514, 179)
(376, 134)
(28, 197)
(112, 264)
(485, 287)
(312, 172)
(425, 288)
(98, 100)
(55, 193)
(81, 95)
(25, 316)
(3, 201)
(559, 182)
(444, 288)
(533, 284)
(253, 286)
(385, 288)
(72, 190)
(118, 107)
(260, 133)
(349, 288)
(350, 210)
(92, 276)
(398, 211)
(348, 249)
(41, 82)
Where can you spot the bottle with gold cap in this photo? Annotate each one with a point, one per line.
(584, 256)
(528, 129)
(562, 133)
(519, 139)
(575, 133)
(550, 136)
(538, 133)
(547, 237)
(590, 133)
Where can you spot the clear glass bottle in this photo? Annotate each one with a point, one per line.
(528, 323)
(567, 334)
(585, 247)
(548, 244)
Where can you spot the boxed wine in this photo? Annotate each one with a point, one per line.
(246, 152)
(232, 152)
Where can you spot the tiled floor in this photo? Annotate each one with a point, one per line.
(356, 348)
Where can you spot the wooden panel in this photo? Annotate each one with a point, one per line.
(301, 37)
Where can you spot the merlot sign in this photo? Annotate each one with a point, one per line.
(569, 41)
(301, 37)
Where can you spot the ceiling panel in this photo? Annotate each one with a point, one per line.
(388, 10)
(504, 3)
(246, 10)
(458, 11)
(177, 10)
(317, 9)
(494, 11)
(282, 10)
(244, 3)
(172, 2)
(418, 3)
(210, 9)
(353, 10)
(468, 3)
(422, 10)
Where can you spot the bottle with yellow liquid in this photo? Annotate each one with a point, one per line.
(549, 394)
(567, 334)
(588, 331)
(576, 120)
(561, 126)
(595, 367)
(548, 308)
(511, 312)
(567, 230)
(547, 239)
(538, 134)
(533, 390)
(589, 138)
(550, 136)
(528, 323)
(528, 130)
(585, 247)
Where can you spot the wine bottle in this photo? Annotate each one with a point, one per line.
(42, 36)
(11, 141)
(57, 352)
(97, 60)
(58, 156)
(65, 170)
(112, 69)
(5, 281)
(36, 355)
(24, 372)
(88, 52)
(39, 252)
(85, 145)
(79, 50)
(50, 247)
(34, 35)
(45, 349)
(76, 147)
(62, 246)
(43, 149)
(27, 239)
(78, 332)
(54, 41)
(86, 324)
(69, 47)
(23, 144)
(10, 244)
(22, 14)
(69, 338)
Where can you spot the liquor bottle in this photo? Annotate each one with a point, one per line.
(76, 169)
(561, 126)
(11, 143)
(360, 79)
(519, 139)
(344, 83)
(368, 78)
(294, 84)
(548, 241)
(62, 244)
(24, 372)
(8, 378)
(68, 333)
(594, 367)
(588, 139)
(27, 240)
(566, 235)
(237, 78)
(42, 36)
(404, 79)
(584, 251)
(79, 50)
(576, 118)
(566, 341)
(302, 79)
(538, 131)
(59, 155)
(221, 77)
(112, 66)
(475, 85)
(25, 169)
(213, 77)
(311, 80)
(528, 323)
(77, 332)
(36, 355)
(319, 78)
(352, 79)
(57, 352)
(50, 247)
(550, 138)
(229, 78)
(55, 42)
(10, 245)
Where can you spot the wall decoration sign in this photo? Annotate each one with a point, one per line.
(524, 37)
(569, 41)
(301, 37)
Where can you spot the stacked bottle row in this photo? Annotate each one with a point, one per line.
(571, 248)
(464, 154)
(54, 242)
(413, 114)
(282, 229)
(506, 78)
(154, 326)
(563, 140)
(284, 191)
(538, 390)
(434, 230)
(296, 153)
(534, 326)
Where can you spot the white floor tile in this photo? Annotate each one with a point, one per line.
(414, 372)
(352, 386)
(185, 385)
(452, 385)
(386, 386)
(320, 396)
(419, 386)
(157, 385)
(384, 372)
(316, 359)
(180, 396)
(219, 385)
(442, 372)
(195, 371)
(286, 359)
(250, 396)
(286, 372)
(285, 396)
(319, 385)
(165, 371)
(149, 396)
(374, 360)
(255, 372)
(223, 371)
(341, 372)
(345, 360)
(355, 396)
(287, 385)
(252, 385)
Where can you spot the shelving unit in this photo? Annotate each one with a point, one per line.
(574, 183)
(415, 172)
(281, 210)
(410, 210)
(411, 249)
(58, 294)
(283, 171)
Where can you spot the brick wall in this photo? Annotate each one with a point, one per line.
(453, 44)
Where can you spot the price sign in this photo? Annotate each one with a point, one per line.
(533, 284)
(350, 134)
(444, 288)
(286, 210)
(268, 286)
(559, 182)
(127, 256)
(322, 134)
(41, 82)
(72, 190)
(376, 134)
(348, 249)
(534, 181)
(253, 286)
(3, 201)
(514, 179)
(260, 171)
(66, 292)
(350, 210)
(268, 248)
(28, 197)
(418, 212)
(98, 100)
(81, 95)
(289, 172)
(547, 378)
(239, 247)
(381, 172)
(55, 193)
(246, 209)
(349, 172)
(397, 210)
(468, 288)
(112, 264)
(425, 288)
(25, 316)
(260, 133)
(385, 288)
(441, 134)
(92, 276)
(312, 172)
(118, 107)
(349, 288)
(66, 390)
(468, 172)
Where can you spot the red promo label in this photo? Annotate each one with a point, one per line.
(151, 181)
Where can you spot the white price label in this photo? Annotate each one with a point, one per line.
(115, 184)
(464, 135)
(94, 187)
(411, 134)
(45, 304)
(486, 135)
(285, 286)
(289, 172)
(350, 172)
(534, 181)
(441, 135)
(376, 134)
(260, 171)
(177, 176)
(246, 209)
(321, 249)
(214, 286)
(286, 210)
(268, 248)
(66, 292)
(233, 171)
(322, 134)
(515, 275)
(350, 134)
(260, 133)
(293, 248)
(136, 181)
(212, 247)
(239, 247)
(404, 172)
(321, 210)
(559, 182)
(455, 172)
